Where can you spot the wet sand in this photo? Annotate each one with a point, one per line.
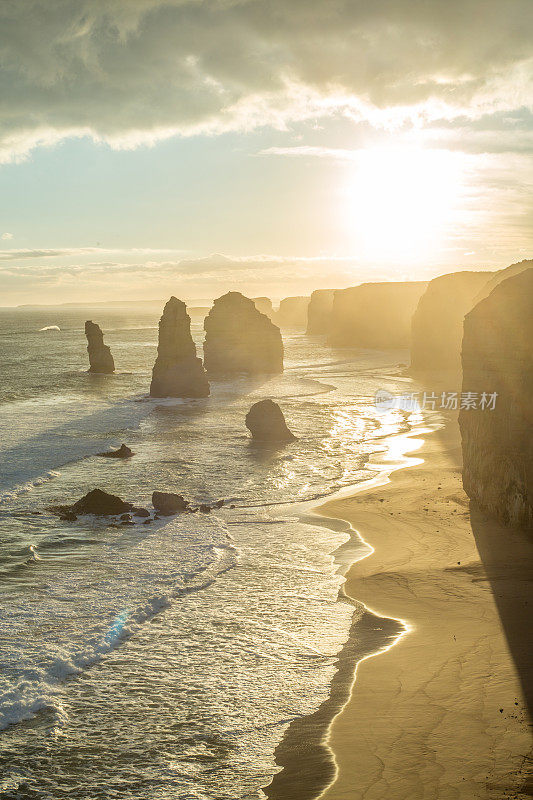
(442, 714)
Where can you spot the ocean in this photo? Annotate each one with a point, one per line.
(167, 660)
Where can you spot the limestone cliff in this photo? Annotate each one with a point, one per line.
(375, 315)
(100, 358)
(319, 311)
(292, 313)
(177, 372)
(497, 357)
(437, 326)
(502, 275)
(264, 305)
(239, 339)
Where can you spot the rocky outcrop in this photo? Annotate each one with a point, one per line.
(437, 326)
(239, 339)
(497, 357)
(374, 315)
(264, 305)
(319, 311)
(266, 423)
(100, 358)
(292, 313)
(167, 503)
(96, 502)
(178, 372)
(123, 452)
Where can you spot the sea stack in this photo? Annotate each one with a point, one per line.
(100, 358)
(497, 428)
(292, 312)
(437, 326)
(178, 372)
(266, 423)
(375, 315)
(319, 311)
(239, 339)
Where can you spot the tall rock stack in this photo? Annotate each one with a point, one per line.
(497, 432)
(319, 311)
(239, 339)
(178, 372)
(437, 326)
(375, 315)
(100, 358)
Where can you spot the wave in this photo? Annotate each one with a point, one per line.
(11, 494)
(40, 688)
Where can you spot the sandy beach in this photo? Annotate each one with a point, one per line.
(442, 714)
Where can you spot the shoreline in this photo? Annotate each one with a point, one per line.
(308, 765)
(443, 735)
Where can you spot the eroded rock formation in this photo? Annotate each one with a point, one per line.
(167, 503)
(437, 326)
(374, 315)
(264, 305)
(96, 502)
(266, 423)
(497, 357)
(100, 358)
(178, 372)
(239, 339)
(319, 311)
(292, 312)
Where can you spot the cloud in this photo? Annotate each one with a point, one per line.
(7, 236)
(131, 72)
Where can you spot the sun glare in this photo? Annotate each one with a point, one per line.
(402, 202)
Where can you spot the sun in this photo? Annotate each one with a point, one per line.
(401, 203)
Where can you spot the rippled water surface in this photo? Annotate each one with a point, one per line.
(166, 660)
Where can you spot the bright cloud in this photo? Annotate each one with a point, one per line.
(133, 72)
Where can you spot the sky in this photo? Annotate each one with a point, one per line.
(150, 147)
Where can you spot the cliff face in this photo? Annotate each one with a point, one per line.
(501, 275)
(264, 305)
(319, 311)
(376, 315)
(292, 312)
(497, 356)
(437, 326)
(100, 358)
(177, 371)
(239, 339)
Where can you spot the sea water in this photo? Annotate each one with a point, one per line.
(167, 660)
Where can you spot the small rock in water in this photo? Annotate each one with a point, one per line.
(266, 423)
(68, 517)
(140, 512)
(125, 517)
(167, 503)
(219, 504)
(96, 502)
(122, 452)
(205, 509)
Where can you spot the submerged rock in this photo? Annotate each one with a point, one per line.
(96, 502)
(375, 315)
(167, 503)
(239, 339)
(100, 358)
(266, 423)
(140, 512)
(497, 441)
(122, 452)
(319, 311)
(437, 326)
(178, 372)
